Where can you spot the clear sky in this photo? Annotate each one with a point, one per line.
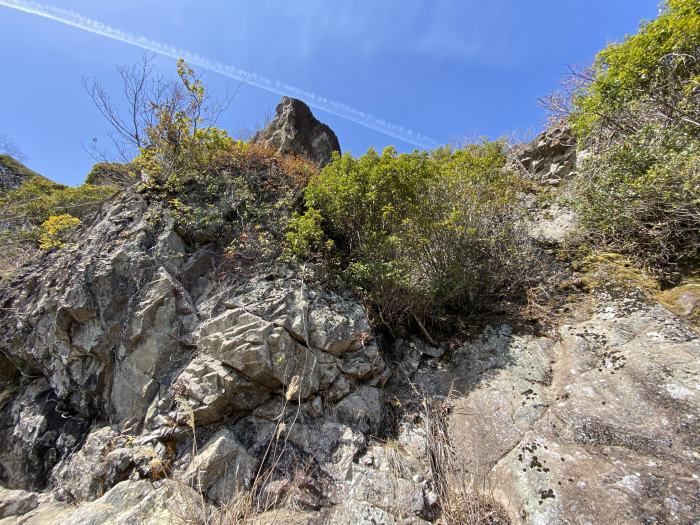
(447, 69)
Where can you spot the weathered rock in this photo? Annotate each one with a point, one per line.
(313, 316)
(215, 392)
(295, 130)
(550, 158)
(362, 409)
(49, 512)
(152, 347)
(16, 502)
(259, 350)
(70, 310)
(36, 432)
(222, 468)
(554, 225)
(598, 427)
(106, 458)
(131, 502)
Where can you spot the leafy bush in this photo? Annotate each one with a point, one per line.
(641, 197)
(638, 117)
(421, 232)
(55, 230)
(112, 174)
(653, 76)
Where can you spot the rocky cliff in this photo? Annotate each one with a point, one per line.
(12, 173)
(295, 130)
(143, 382)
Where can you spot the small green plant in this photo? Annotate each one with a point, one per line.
(56, 229)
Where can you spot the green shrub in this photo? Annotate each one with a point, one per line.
(421, 233)
(638, 117)
(652, 76)
(56, 229)
(112, 174)
(641, 197)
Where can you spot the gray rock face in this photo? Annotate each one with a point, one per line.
(550, 158)
(16, 502)
(222, 468)
(132, 373)
(122, 349)
(597, 425)
(132, 502)
(295, 130)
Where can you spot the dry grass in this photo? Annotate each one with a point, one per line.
(462, 499)
(285, 480)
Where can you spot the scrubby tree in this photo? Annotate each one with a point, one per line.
(637, 113)
(146, 94)
(9, 147)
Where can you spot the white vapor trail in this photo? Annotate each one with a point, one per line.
(338, 109)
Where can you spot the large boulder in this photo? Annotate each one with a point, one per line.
(295, 130)
(222, 468)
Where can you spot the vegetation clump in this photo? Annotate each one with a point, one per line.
(421, 233)
(55, 230)
(235, 195)
(121, 175)
(637, 117)
(32, 211)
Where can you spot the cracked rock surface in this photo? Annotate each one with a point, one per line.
(598, 424)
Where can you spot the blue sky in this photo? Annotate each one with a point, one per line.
(447, 69)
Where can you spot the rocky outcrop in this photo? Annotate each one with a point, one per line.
(13, 173)
(550, 158)
(295, 130)
(141, 381)
(124, 351)
(596, 424)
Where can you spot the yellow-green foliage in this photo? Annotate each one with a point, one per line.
(641, 197)
(112, 174)
(38, 198)
(658, 67)
(178, 148)
(24, 210)
(56, 229)
(420, 231)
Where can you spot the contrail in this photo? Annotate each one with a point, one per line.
(333, 107)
